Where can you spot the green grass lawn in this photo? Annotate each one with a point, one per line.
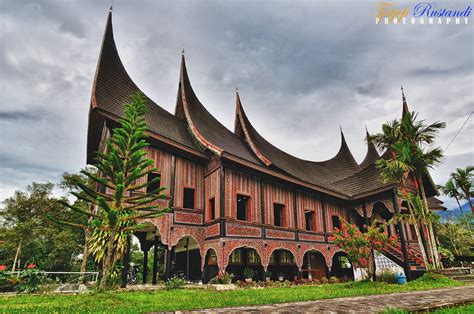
(140, 301)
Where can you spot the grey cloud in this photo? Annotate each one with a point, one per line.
(19, 115)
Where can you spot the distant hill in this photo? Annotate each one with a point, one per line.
(455, 213)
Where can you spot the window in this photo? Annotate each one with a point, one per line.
(278, 214)
(286, 258)
(236, 257)
(309, 218)
(336, 222)
(188, 198)
(344, 262)
(154, 186)
(211, 258)
(212, 209)
(252, 257)
(242, 207)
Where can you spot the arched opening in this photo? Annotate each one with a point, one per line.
(187, 259)
(314, 265)
(341, 267)
(282, 264)
(211, 268)
(242, 258)
(150, 260)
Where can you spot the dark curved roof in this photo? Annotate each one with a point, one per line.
(194, 129)
(206, 129)
(321, 173)
(113, 87)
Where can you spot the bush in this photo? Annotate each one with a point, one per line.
(175, 283)
(388, 276)
(222, 278)
(248, 273)
(30, 280)
(8, 282)
(324, 280)
(333, 280)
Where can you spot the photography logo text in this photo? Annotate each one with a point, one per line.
(429, 13)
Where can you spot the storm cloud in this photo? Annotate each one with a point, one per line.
(303, 68)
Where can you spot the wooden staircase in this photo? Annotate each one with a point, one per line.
(415, 259)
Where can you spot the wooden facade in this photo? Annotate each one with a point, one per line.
(234, 190)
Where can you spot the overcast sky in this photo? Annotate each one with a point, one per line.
(302, 67)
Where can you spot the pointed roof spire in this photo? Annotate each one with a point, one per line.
(245, 130)
(372, 154)
(405, 105)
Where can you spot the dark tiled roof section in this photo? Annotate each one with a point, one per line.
(113, 88)
(435, 204)
(208, 127)
(371, 156)
(318, 173)
(362, 182)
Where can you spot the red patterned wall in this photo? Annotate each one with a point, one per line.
(239, 183)
(275, 193)
(212, 188)
(190, 175)
(309, 201)
(336, 208)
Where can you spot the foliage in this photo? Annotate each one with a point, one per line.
(333, 280)
(248, 273)
(123, 198)
(24, 225)
(8, 281)
(464, 181)
(409, 144)
(454, 237)
(360, 246)
(30, 280)
(175, 283)
(222, 278)
(188, 299)
(388, 276)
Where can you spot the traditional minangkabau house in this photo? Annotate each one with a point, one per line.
(238, 201)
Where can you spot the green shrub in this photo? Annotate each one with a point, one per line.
(388, 276)
(175, 283)
(248, 273)
(30, 280)
(222, 278)
(8, 282)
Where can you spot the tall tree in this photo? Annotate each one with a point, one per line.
(123, 198)
(409, 143)
(23, 219)
(451, 190)
(464, 180)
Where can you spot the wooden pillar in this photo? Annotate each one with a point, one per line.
(187, 258)
(403, 244)
(325, 227)
(126, 261)
(145, 266)
(423, 241)
(155, 260)
(167, 264)
(222, 200)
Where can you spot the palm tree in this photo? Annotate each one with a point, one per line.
(464, 180)
(450, 190)
(395, 169)
(420, 138)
